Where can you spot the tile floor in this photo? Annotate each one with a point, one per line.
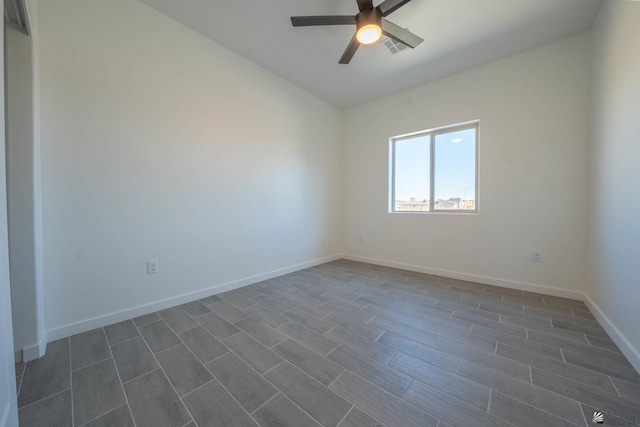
(342, 344)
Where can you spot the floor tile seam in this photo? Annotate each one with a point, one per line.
(562, 376)
(310, 378)
(250, 367)
(624, 364)
(166, 377)
(537, 408)
(274, 367)
(305, 346)
(325, 334)
(292, 401)
(225, 389)
(22, 377)
(277, 344)
(44, 398)
(311, 314)
(408, 388)
(538, 386)
(462, 402)
(101, 415)
(284, 359)
(199, 315)
(172, 328)
(346, 415)
(194, 355)
(124, 393)
(124, 341)
(73, 371)
(594, 371)
(584, 416)
(169, 348)
(384, 391)
(339, 375)
(614, 386)
(189, 348)
(278, 392)
(200, 386)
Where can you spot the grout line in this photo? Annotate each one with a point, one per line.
(271, 369)
(347, 414)
(338, 377)
(614, 386)
(457, 366)
(408, 388)
(213, 378)
(265, 402)
(93, 364)
(329, 330)
(25, 369)
(126, 398)
(170, 348)
(562, 354)
(489, 402)
(165, 374)
(46, 397)
(123, 341)
(101, 415)
(530, 375)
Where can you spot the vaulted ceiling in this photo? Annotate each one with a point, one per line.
(458, 34)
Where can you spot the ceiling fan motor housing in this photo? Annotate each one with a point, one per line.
(369, 16)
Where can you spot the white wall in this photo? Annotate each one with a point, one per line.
(533, 110)
(158, 143)
(614, 281)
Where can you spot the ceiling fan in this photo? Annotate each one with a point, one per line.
(370, 25)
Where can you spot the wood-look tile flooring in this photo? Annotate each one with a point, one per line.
(342, 344)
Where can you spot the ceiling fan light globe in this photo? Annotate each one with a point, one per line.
(369, 34)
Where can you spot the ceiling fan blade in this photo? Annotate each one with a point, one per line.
(387, 7)
(308, 21)
(365, 4)
(350, 51)
(399, 34)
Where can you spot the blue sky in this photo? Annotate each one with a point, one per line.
(454, 167)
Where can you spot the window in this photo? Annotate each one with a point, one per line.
(435, 170)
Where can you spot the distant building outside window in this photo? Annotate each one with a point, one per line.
(435, 170)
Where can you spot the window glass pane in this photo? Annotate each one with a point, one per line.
(412, 177)
(455, 170)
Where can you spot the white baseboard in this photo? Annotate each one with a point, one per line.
(108, 319)
(627, 348)
(523, 286)
(35, 351)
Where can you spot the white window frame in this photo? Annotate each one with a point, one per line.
(432, 133)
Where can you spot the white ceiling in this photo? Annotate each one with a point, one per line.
(458, 34)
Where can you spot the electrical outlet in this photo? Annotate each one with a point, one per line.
(152, 266)
(536, 256)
